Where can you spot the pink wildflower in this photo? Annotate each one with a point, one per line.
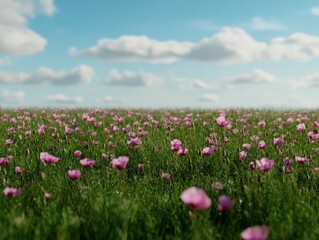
(176, 145)
(77, 153)
(265, 164)
(221, 121)
(74, 174)
(196, 198)
(120, 162)
(208, 151)
(225, 203)
(255, 233)
(87, 162)
(242, 155)
(11, 192)
(48, 158)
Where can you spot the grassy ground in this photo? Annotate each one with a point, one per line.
(135, 203)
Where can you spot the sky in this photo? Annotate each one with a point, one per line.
(159, 54)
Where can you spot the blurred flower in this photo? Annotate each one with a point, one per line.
(255, 233)
(242, 155)
(247, 146)
(11, 192)
(225, 203)
(301, 160)
(301, 127)
(262, 145)
(48, 158)
(166, 176)
(208, 151)
(140, 166)
(221, 121)
(279, 141)
(252, 166)
(217, 186)
(87, 162)
(176, 145)
(74, 174)
(182, 152)
(196, 198)
(47, 195)
(77, 153)
(18, 170)
(265, 164)
(120, 162)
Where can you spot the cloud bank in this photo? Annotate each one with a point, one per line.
(16, 38)
(79, 75)
(133, 79)
(228, 46)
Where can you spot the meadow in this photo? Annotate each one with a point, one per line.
(159, 174)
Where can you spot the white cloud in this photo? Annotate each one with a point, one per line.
(258, 23)
(209, 97)
(136, 48)
(228, 46)
(8, 96)
(256, 76)
(308, 81)
(188, 83)
(315, 11)
(16, 38)
(297, 47)
(48, 7)
(133, 79)
(60, 98)
(79, 75)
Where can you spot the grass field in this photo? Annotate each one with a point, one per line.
(142, 199)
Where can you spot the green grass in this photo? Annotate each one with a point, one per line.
(105, 203)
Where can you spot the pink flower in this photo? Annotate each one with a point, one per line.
(140, 166)
(208, 151)
(87, 162)
(166, 176)
(221, 121)
(247, 146)
(47, 195)
(3, 161)
(242, 155)
(9, 142)
(301, 127)
(287, 169)
(135, 142)
(301, 160)
(74, 174)
(182, 152)
(48, 158)
(225, 203)
(262, 145)
(11, 192)
(217, 186)
(176, 145)
(18, 170)
(278, 141)
(265, 164)
(255, 233)
(120, 162)
(196, 198)
(77, 153)
(262, 123)
(252, 166)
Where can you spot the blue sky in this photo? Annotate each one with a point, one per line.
(159, 54)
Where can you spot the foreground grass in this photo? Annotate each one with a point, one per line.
(135, 203)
